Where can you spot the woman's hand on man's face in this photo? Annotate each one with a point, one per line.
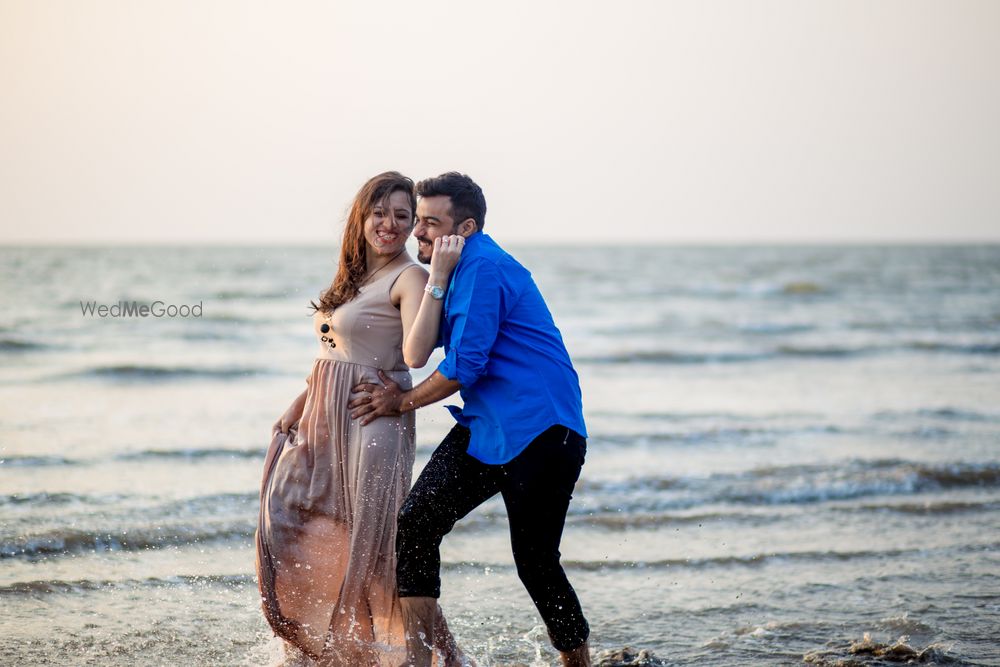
(447, 252)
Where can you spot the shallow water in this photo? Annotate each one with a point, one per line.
(790, 448)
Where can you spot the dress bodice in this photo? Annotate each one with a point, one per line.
(366, 330)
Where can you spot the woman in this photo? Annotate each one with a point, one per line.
(332, 487)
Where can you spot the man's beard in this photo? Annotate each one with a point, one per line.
(421, 257)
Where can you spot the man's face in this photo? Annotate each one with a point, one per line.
(433, 220)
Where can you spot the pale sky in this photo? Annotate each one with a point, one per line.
(630, 122)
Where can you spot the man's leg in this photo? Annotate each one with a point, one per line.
(419, 616)
(537, 487)
(450, 486)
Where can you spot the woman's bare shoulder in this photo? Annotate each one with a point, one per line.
(410, 281)
(414, 273)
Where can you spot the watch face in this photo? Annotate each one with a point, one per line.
(437, 292)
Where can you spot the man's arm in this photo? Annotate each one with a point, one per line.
(376, 401)
(477, 307)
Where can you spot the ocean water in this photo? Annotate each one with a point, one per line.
(794, 455)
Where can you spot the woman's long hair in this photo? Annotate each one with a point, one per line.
(353, 265)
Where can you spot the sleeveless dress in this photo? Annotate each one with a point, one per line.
(330, 494)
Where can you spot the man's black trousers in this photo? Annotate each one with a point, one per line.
(536, 486)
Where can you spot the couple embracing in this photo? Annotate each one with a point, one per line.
(348, 555)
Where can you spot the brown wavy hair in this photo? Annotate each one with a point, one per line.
(353, 265)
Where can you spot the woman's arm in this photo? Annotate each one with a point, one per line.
(409, 290)
(421, 312)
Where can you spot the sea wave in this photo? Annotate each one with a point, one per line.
(785, 351)
(213, 504)
(18, 461)
(228, 318)
(747, 560)
(643, 520)
(14, 345)
(672, 357)
(626, 518)
(45, 499)
(751, 497)
(739, 434)
(128, 372)
(151, 508)
(929, 508)
(726, 291)
(781, 485)
(193, 453)
(180, 454)
(47, 587)
(773, 328)
(604, 565)
(66, 541)
(954, 348)
(706, 416)
(618, 329)
(957, 414)
(250, 295)
(944, 413)
(750, 560)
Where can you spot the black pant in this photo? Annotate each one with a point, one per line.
(536, 487)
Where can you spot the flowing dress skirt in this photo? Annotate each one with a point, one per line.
(327, 527)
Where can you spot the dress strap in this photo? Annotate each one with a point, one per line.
(389, 279)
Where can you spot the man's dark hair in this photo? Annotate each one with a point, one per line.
(467, 200)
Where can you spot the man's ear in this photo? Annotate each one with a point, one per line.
(468, 227)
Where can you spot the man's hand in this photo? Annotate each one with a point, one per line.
(376, 401)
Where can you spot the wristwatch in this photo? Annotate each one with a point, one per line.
(436, 291)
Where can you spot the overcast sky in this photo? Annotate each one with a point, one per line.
(585, 121)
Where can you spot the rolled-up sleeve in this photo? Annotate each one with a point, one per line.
(475, 309)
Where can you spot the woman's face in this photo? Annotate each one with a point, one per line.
(389, 224)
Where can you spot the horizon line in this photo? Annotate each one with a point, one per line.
(618, 243)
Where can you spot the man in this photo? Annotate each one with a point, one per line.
(521, 432)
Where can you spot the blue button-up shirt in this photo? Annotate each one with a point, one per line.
(502, 345)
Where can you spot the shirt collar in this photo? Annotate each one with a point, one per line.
(472, 245)
(474, 240)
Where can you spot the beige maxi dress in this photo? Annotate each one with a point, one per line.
(330, 494)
